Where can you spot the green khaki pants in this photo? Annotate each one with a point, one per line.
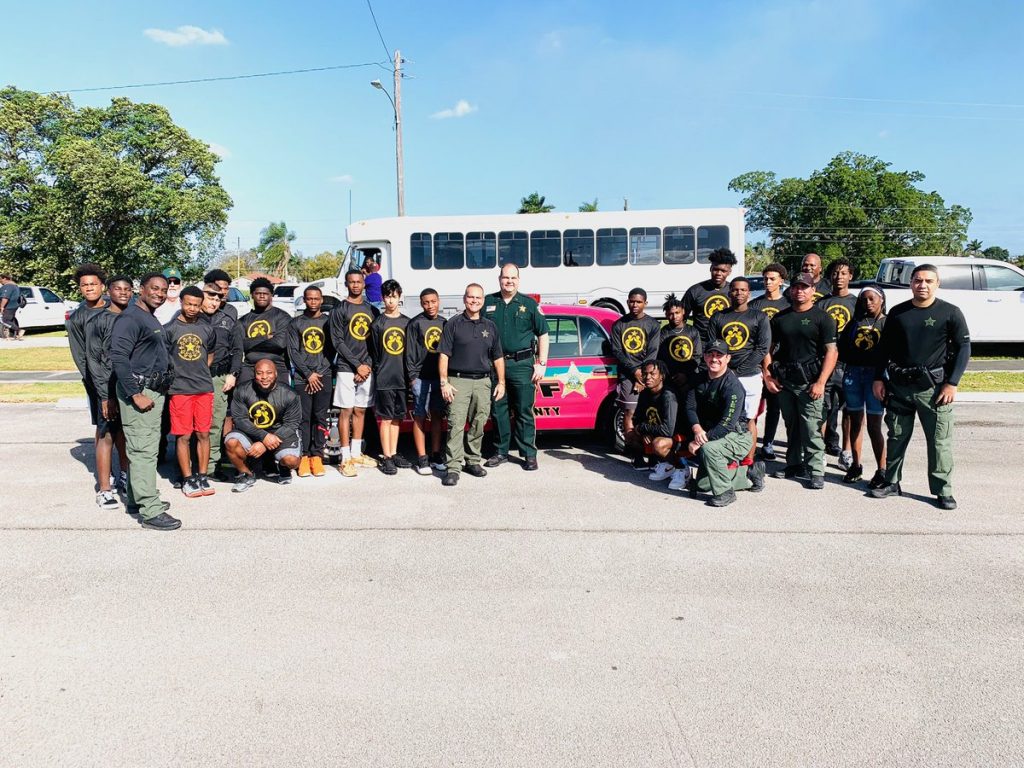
(472, 405)
(714, 475)
(142, 441)
(936, 421)
(513, 414)
(220, 412)
(803, 417)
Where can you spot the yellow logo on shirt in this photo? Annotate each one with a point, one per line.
(867, 337)
(262, 414)
(190, 347)
(840, 314)
(736, 335)
(432, 338)
(680, 348)
(257, 329)
(634, 339)
(716, 303)
(652, 416)
(359, 326)
(770, 311)
(393, 341)
(313, 340)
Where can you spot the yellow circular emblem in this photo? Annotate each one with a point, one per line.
(680, 348)
(313, 340)
(359, 326)
(431, 338)
(840, 314)
(634, 339)
(258, 328)
(190, 347)
(393, 341)
(866, 338)
(262, 414)
(716, 303)
(736, 335)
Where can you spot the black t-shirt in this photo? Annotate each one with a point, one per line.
(771, 307)
(839, 308)
(799, 337)
(76, 325)
(257, 412)
(350, 329)
(860, 342)
(656, 414)
(748, 335)
(681, 350)
(703, 300)
(822, 289)
(470, 345)
(265, 335)
(635, 342)
(309, 345)
(188, 345)
(97, 347)
(227, 342)
(137, 348)
(717, 405)
(387, 348)
(422, 337)
(933, 337)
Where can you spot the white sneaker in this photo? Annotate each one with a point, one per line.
(663, 471)
(107, 500)
(679, 478)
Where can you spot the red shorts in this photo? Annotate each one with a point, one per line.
(191, 413)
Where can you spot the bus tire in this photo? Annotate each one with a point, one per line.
(608, 304)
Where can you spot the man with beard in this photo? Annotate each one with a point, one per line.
(172, 305)
(264, 332)
(704, 299)
(266, 417)
(138, 356)
(811, 265)
(311, 352)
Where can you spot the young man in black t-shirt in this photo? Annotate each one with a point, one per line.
(771, 302)
(422, 337)
(704, 299)
(387, 349)
(311, 352)
(190, 345)
(839, 305)
(635, 339)
(654, 426)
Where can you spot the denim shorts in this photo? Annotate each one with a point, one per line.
(426, 397)
(857, 386)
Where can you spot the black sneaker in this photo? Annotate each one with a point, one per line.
(768, 452)
(423, 466)
(387, 465)
(162, 522)
(401, 462)
(885, 491)
(877, 480)
(204, 483)
(640, 464)
(451, 478)
(191, 488)
(854, 474)
(122, 483)
(437, 462)
(947, 503)
(475, 470)
(284, 476)
(134, 510)
(243, 482)
(816, 483)
(833, 450)
(722, 499)
(755, 473)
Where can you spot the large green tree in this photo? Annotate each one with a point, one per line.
(275, 249)
(325, 264)
(534, 203)
(120, 185)
(855, 207)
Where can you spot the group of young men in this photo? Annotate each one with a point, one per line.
(255, 392)
(816, 354)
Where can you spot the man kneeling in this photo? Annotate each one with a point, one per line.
(266, 418)
(721, 439)
(654, 426)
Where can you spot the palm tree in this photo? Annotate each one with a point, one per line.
(973, 248)
(588, 207)
(534, 203)
(275, 249)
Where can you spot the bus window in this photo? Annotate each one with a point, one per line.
(710, 239)
(420, 250)
(679, 245)
(481, 250)
(513, 248)
(578, 247)
(546, 248)
(645, 245)
(448, 250)
(612, 248)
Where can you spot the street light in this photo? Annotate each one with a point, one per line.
(396, 105)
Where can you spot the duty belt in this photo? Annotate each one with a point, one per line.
(799, 372)
(468, 375)
(221, 370)
(915, 375)
(522, 354)
(155, 381)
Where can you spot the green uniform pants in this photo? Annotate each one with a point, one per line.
(714, 475)
(220, 412)
(472, 405)
(936, 421)
(513, 414)
(803, 417)
(142, 442)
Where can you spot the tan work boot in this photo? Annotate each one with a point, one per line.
(304, 466)
(316, 466)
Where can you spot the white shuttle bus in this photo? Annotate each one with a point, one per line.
(565, 258)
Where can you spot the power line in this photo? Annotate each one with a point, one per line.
(387, 51)
(193, 81)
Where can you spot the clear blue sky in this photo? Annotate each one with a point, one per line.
(661, 102)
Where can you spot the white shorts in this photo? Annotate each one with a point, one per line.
(348, 394)
(752, 386)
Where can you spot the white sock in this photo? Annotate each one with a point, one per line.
(346, 453)
(357, 448)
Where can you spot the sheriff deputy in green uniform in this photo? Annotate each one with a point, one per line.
(519, 320)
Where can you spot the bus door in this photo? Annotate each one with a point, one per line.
(378, 253)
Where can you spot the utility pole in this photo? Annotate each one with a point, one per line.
(399, 160)
(238, 256)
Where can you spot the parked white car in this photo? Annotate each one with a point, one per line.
(43, 308)
(990, 293)
(284, 297)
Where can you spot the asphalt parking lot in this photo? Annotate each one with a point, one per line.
(579, 615)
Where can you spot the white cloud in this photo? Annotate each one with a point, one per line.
(219, 150)
(345, 178)
(186, 35)
(461, 109)
(551, 41)
(883, 134)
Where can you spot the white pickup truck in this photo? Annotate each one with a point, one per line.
(43, 308)
(990, 293)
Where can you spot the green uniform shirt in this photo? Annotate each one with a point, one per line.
(519, 320)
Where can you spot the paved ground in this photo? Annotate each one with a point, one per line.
(574, 616)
